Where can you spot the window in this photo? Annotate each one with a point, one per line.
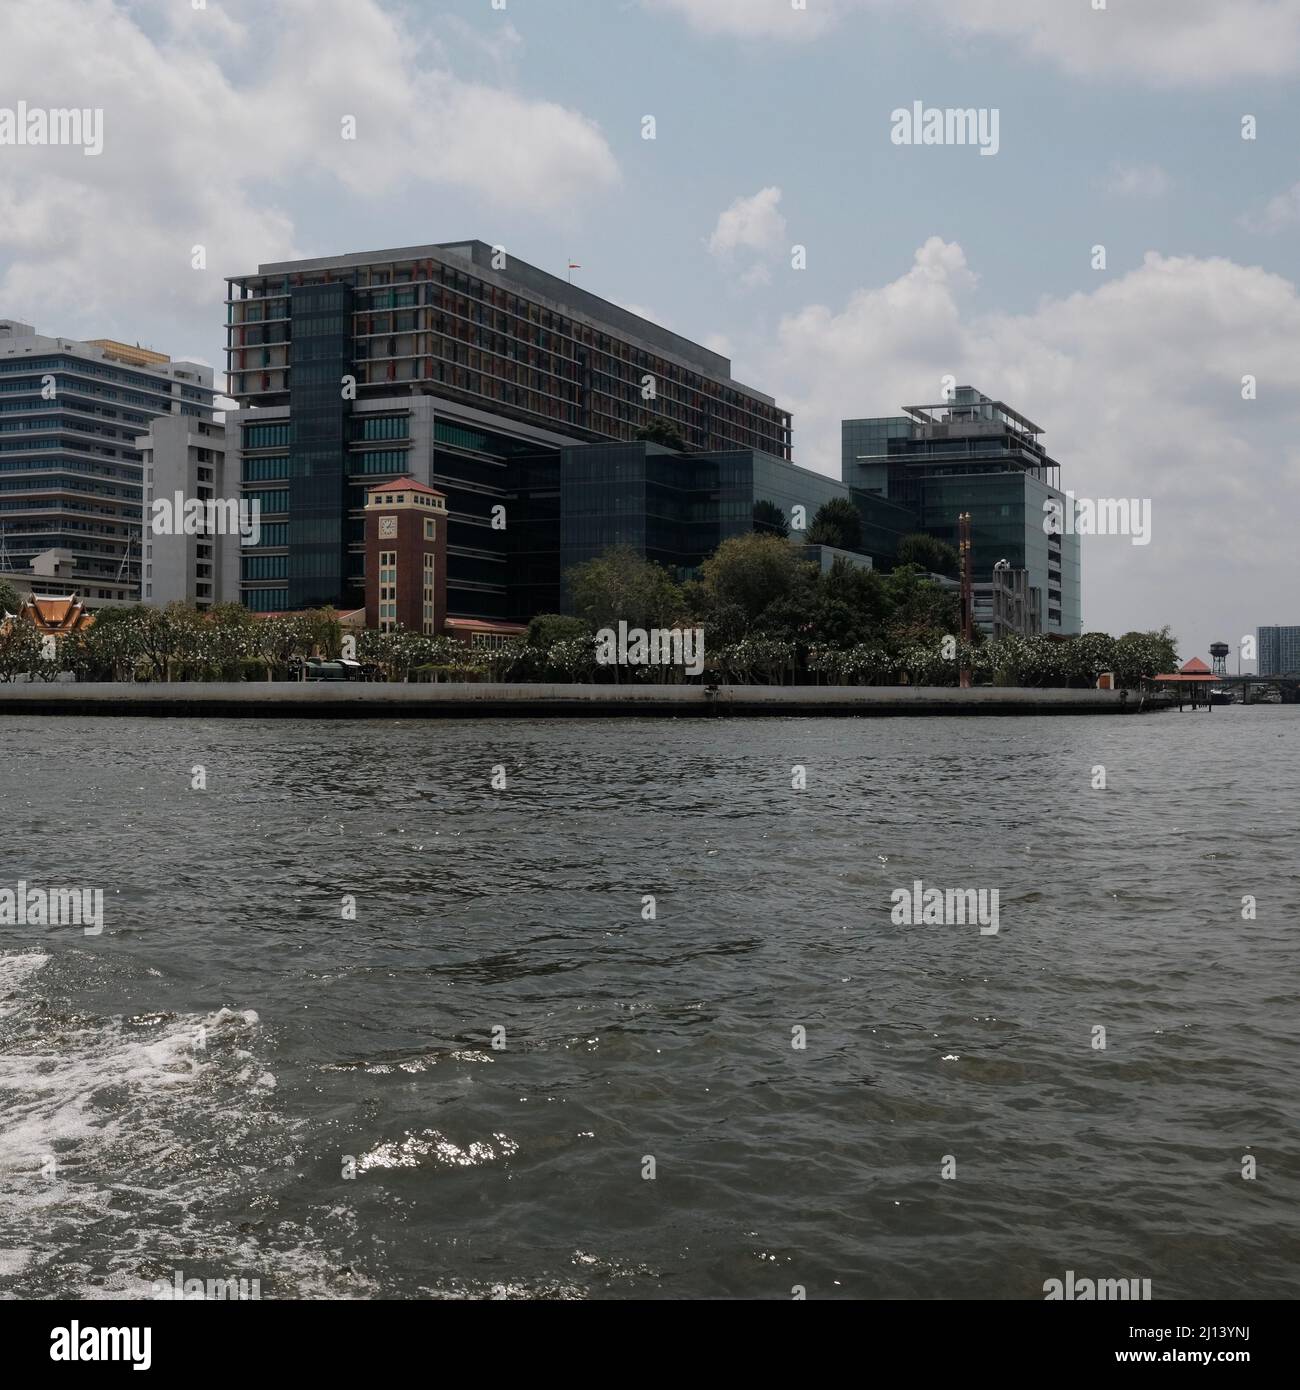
(266, 437)
(430, 531)
(387, 590)
(430, 591)
(263, 470)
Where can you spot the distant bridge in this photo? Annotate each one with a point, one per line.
(1288, 686)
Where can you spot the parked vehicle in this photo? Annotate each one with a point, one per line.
(341, 670)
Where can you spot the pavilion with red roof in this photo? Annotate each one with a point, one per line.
(1194, 676)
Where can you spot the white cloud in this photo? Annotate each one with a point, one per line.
(1164, 42)
(1137, 384)
(751, 224)
(758, 19)
(1280, 213)
(1138, 181)
(213, 118)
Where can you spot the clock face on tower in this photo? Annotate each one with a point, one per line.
(388, 526)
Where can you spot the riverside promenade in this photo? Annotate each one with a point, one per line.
(348, 700)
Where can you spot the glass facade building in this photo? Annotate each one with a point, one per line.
(71, 471)
(674, 509)
(973, 454)
(478, 467)
(1278, 651)
(515, 365)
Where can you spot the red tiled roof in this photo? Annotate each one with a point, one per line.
(1194, 667)
(405, 485)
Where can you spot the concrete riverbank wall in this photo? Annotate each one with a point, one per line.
(322, 700)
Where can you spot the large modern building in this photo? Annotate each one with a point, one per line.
(1278, 651)
(71, 475)
(189, 557)
(977, 455)
(467, 371)
(674, 508)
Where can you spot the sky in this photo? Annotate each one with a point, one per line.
(523, 123)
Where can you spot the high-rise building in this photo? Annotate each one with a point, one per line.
(192, 539)
(468, 371)
(977, 455)
(1278, 649)
(71, 476)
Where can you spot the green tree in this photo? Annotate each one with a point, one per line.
(747, 574)
(661, 432)
(919, 608)
(838, 524)
(546, 629)
(572, 659)
(9, 599)
(323, 631)
(770, 520)
(20, 651)
(930, 553)
(1141, 655)
(1090, 655)
(621, 585)
(850, 606)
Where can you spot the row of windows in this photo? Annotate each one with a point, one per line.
(265, 470)
(64, 386)
(39, 468)
(265, 566)
(70, 406)
(266, 600)
(268, 501)
(267, 436)
(97, 369)
(380, 461)
(381, 427)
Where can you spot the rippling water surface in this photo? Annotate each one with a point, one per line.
(190, 1090)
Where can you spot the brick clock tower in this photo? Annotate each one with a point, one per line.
(406, 557)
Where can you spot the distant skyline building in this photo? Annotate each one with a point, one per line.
(1278, 651)
(184, 462)
(71, 474)
(468, 371)
(978, 455)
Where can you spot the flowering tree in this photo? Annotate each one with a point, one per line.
(20, 651)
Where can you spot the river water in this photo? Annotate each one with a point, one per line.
(505, 1078)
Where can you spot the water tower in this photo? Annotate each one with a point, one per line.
(1219, 655)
